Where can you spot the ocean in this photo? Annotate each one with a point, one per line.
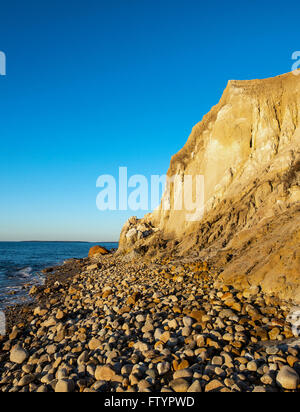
(21, 264)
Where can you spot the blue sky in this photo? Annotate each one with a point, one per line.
(95, 85)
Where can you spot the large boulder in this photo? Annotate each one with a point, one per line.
(98, 250)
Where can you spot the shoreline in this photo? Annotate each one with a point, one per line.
(105, 325)
(17, 279)
(62, 273)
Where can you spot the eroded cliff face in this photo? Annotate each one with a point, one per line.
(248, 150)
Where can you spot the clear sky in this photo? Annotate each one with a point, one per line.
(95, 85)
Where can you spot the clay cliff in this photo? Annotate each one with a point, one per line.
(248, 150)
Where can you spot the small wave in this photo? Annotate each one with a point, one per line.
(14, 288)
(26, 272)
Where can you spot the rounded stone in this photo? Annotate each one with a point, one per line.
(214, 386)
(163, 368)
(252, 366)
(183, 373)
(288, 378)
(195, 387)
(187, 321)
(64, 386)
(18, 355)
(94, 344)
(104, 373)
(26, 380)
(180, 385)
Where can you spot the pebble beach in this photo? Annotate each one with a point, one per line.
(103, 325)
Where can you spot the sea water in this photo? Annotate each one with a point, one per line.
(21, 264)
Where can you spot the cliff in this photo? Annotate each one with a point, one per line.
(248, 150)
